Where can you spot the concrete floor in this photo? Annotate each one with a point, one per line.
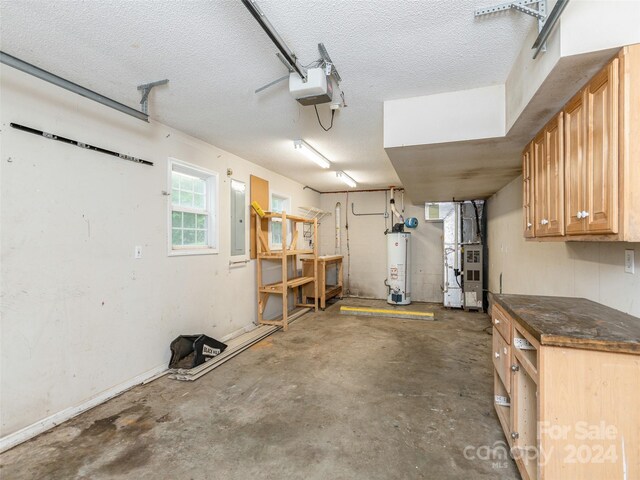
(337, 396)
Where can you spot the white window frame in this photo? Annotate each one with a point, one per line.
(272, 244)
(212, 201)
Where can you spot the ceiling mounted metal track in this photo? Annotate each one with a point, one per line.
(288, 56)
(545, 22)
(68, 85)
(550, 22)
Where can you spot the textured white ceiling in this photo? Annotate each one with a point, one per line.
(215, 55)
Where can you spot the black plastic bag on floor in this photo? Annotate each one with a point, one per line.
(188, 351)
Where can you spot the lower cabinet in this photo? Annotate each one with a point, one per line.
(567, 413)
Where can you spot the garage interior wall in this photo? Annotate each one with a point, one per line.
(593, 270)
(81, 318)
(368, 245)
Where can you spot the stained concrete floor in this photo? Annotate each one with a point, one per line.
(336, 396)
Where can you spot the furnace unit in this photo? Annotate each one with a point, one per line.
(472, 283)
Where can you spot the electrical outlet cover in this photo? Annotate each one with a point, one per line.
(629, 261)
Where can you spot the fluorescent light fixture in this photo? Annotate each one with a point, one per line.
(346, 179)
(312, 154)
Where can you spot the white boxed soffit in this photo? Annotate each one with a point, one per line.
(463, 115)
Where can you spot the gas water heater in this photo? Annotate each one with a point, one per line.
(398, 268)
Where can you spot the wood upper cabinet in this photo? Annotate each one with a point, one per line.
(548, 155)
(575, 146)
(528, 192)
(591, 156)
(601, 211)
(586, 161)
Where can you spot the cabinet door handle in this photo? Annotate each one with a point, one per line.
(497, 354)
(585, 214)
(515, 368)
(544, 221)
(497, 321)
(529, 225)
(514, 435)
(579, 215)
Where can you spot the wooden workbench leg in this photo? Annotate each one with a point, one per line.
(315, 263)
(323, 285)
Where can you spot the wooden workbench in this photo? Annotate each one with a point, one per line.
(566, 381)
(325, 291)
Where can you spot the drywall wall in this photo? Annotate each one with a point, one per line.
(445, 117)
(80, 315)
(589, 25)
(365, 262)
(584, 26)
(593, 270)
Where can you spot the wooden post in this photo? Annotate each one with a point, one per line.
(285, 275)
(315, 262)
(261, 306)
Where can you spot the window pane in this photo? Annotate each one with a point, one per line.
(193, 193)
(198, 201)
(186, 183)
(199, 185)
(276, 233)
(186, 199)
(176, 236)
(189, 220)
(189, 237)
(279, 204)
(176, 219)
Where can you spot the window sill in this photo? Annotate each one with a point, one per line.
(179, 252)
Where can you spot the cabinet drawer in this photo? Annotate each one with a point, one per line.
(502, 358)
(502, 322)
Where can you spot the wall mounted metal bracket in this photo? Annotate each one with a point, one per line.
(521, 6)
(146, 89)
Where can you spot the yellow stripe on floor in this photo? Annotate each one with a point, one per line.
(385, 311)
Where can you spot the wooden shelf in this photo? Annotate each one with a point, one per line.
(323, 291)
(280, 253)
(291, 283)
(287, 255)
(291, 316)
(293, 218)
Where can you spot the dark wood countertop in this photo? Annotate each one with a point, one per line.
(573, 322)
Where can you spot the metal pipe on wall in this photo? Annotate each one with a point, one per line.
(392, 201)
(338, 214)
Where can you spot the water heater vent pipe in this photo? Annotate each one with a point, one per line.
(394, 209)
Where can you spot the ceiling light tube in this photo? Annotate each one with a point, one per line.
(312, 154)
(346, 179)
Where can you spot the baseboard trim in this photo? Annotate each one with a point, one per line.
(41, 426)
